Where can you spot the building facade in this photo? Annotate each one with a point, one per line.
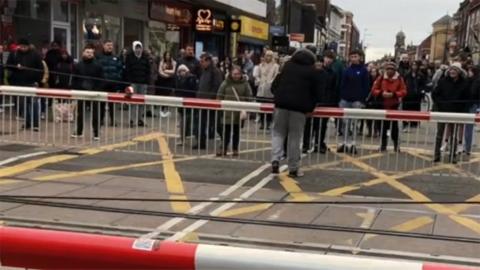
(473, 33)
(442, 37)
(400, 47)
(162, 25)
(335, 28)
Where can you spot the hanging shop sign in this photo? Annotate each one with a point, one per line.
(171, 12)
(218, 25)
(204, 20)
(235, 26)
(254, 28)
(297, 37)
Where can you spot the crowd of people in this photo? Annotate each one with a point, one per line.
(296, 82)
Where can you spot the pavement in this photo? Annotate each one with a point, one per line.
(344, 204)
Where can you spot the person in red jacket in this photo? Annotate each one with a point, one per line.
(390, 88)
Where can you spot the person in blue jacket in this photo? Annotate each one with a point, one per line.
(354, 91)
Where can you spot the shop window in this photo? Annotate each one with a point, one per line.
(112, 27)
(74, 30)
(133, 30)
(157, 38)
(31, 20)
(60, 11)
(92, 29)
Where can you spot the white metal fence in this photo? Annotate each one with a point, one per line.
(196, 127)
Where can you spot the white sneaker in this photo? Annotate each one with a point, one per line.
(444, 147)
(42, 116)
(165, 114)
(460, 149)
(75, 136)
(96, 139)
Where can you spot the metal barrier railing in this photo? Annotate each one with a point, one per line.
(197, 127)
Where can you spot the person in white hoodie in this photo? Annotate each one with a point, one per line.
(266, 73)
(138, 72)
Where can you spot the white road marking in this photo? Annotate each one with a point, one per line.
(17, 158)
(199, 223)
(198, 208)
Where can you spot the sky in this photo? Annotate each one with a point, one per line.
(383, 19)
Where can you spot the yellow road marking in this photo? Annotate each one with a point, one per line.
(464, 207)
(33, 164)
(413, 224)
(407, 226)
(333, 163)
(7, 181)
(417, 196)
(291, 186)
(246, 210)
(172, 177)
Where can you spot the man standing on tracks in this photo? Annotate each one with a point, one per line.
(113, 72)
(354, 91)
(298, 89)
(26, 69)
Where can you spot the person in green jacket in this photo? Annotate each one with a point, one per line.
(234, 88)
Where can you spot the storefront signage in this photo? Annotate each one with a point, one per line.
(297, 37)
(204, 21)
(235, 26)
(218, 25)
(173, 27)
(170, 12)
(254, 28)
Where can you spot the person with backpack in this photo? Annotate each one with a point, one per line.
(391, 88)
(26, 69)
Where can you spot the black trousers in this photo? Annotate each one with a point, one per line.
(111, 112)
(95, 109)
(205, 128)
(316, 127)
(393, 127)
(452, 140)
(230, 132)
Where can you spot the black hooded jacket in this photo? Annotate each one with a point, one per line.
(300, 86)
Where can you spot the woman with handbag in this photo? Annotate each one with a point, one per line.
(234, 88)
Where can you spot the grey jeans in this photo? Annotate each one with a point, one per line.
(138, 111)
(288, 124)
(349, 126)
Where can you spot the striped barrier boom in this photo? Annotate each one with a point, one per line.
(461, 118)
(44, 249)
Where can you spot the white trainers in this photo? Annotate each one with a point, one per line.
(75, 136)
(460, 149)
(96, 139)
(165, 114)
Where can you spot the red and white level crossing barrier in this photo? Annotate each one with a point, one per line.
(42, 249)
(460, 118)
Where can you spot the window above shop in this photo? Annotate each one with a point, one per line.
(34, 9)
(60, 11)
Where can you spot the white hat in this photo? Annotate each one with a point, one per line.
(458, 67)
(183, 68)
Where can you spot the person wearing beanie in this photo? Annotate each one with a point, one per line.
(390, 88)
(186, 87)
(26, 69)
(450, 95)
(298, 90)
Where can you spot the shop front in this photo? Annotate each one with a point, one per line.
(119, 21)
(170, 27)
(253, 36)
(40, 21)
(211, 34)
